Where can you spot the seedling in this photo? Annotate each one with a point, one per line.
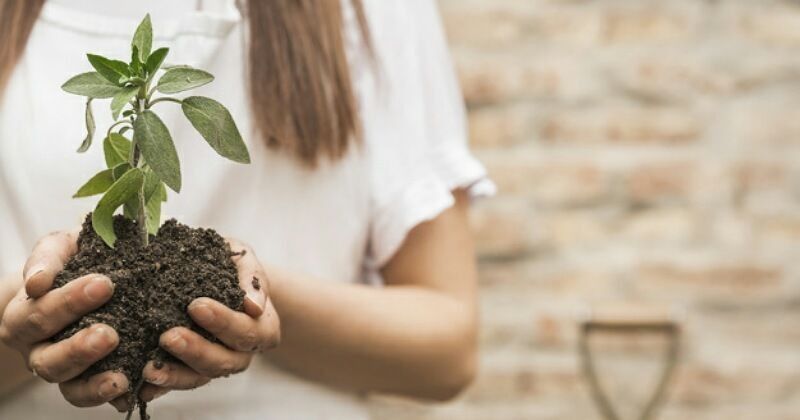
(140, 168)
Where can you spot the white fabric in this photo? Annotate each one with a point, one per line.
(339, 222)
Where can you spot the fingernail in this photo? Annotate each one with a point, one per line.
(109, 389)
(256, 298)
(202, 313)
(157, 379)
(99, 338)
(98, 289)
(176, 343)
(33, 272)
(153, 373)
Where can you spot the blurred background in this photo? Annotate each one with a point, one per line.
(646, 151)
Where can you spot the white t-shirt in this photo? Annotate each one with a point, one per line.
(339, 222)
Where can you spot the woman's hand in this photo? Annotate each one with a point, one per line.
(241, 334)
(36, 313)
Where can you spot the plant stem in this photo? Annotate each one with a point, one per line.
(108, 133)
(164, 99)
(141, 216)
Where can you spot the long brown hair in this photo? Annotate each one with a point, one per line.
(301, 94)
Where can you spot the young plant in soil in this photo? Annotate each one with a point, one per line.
(157, 270)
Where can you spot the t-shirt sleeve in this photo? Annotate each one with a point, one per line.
(415, 127)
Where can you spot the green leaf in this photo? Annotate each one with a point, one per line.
(120, 170)
(91, 84)
(143, 38)
(163, 192)
(155, 60)
(116, 149)
(136, 65)
(176, 66)
(120, 192)
(135, 80)
(179, 79)
(121, 99)
(98, 184)
(153, 213)
(90, 127)
(129, 208)
(113, 70)
(216, 125)
(151, 183)
(155, 143)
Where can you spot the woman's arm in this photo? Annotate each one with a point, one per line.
(11, 364)
(414, 337)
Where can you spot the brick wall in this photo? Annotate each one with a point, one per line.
(645, 150)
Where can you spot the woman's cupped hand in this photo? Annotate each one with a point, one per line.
(38, 312)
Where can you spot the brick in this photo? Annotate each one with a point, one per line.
(626, 126)
(782, 229)
(555, 410)
(734, 411)
(501, 228)
(697, 385)
(509, 377)
(569, 230)
(567, 26)
(498, 127)
(661, 182)
(647, 24)
(662, 226)
(544, 280)
(491, 78)
(671, 77)
(710, 333)
(499, 24)
(775, 23)
(766, 125)
(488, 25)
(728, 283)
(518, 324)
(485, 81)
(549, 183)
(753, 176)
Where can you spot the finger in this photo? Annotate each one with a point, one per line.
(34, 320)
(47, 259)
(209, 359)
(96, 390)
(173, 375)
(237, 330)
(150, 392)
(252, 278)
(62, 361)
(121, 403)
(9, 334)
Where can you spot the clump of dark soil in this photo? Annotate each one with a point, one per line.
(153, 287)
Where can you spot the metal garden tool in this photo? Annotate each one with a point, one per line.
(629, 321)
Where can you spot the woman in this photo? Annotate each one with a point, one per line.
(355, 208)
